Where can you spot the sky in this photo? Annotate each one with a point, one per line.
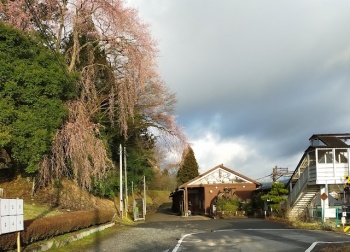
(253, 79)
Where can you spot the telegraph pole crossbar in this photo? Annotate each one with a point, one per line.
(278, 172)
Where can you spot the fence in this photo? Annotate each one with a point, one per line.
(333, 214)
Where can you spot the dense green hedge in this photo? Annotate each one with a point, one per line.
(44, 228)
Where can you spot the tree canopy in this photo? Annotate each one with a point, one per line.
(33, 85)
(276, 195)
(120, 96)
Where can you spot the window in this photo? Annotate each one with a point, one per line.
(325, 156)
(341, 155)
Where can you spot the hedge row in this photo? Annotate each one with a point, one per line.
(44, 228)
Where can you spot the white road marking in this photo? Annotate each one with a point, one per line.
(222, 230)
(180, 241)
(261, 229)
(315, 243)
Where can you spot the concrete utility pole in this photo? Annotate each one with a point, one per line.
(144, 196)
(132, 191)
(126, 184)
(121, 180)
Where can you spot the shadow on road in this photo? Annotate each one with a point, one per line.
(164, 213)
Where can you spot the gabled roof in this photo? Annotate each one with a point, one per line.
(219, 174)
(330, 141)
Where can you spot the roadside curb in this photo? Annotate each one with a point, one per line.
(57, 243)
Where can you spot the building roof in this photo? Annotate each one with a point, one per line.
(232, 175)
(338, 140)
(332, 140)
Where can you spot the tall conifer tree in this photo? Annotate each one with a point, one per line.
(188, 167)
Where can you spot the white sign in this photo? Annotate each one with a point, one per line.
(329, 212)
(19, 206)
(4, 207)
(11, 215)
(13, 223)
(343, 220)
(19, 220)
(344, 214)
(4, 224)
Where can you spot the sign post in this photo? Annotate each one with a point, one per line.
(343, 219)
(323, 197)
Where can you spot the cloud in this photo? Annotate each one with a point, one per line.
(254, 80)
(237, 154)
(211, 151)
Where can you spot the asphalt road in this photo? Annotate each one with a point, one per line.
(257, 240)
(165, 232)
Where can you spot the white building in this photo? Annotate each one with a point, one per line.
(324, 163)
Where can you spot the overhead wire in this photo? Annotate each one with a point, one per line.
(264, 177)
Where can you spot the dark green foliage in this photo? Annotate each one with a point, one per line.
(139, 165)
(188, 168)
(33, 86)
(230, 205)
(108, 186)
(276, 196)
(139, 159)
(256, 205)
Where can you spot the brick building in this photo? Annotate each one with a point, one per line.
(199, 194)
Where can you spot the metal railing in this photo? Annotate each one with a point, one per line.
(298, 187)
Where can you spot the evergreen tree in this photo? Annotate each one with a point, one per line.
(120, 96)
(276, 197)
(33, 87)
(188, 167)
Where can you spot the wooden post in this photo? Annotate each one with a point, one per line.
(18, 241)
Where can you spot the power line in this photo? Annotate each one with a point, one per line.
(264, 177)
(277, 172)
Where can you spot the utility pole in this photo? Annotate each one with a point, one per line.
(126, 184)
(121, 181)
(144, 196)
(132, 191)
(279, 172)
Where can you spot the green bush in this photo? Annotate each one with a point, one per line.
(106, 187)
(45, 228)
(228, 205)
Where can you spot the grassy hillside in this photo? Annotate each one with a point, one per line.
(66, 196)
